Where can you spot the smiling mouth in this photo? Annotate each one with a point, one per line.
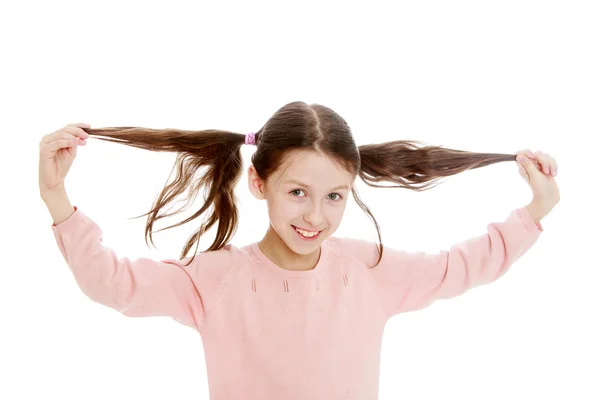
(307, 230)
(306, 238)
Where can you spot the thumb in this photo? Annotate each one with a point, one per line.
(527, 164)
(522, 172)
(73, 150)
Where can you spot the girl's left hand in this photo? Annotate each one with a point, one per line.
(539, 169)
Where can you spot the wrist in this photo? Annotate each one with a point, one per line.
(56, 192)
(58, 205)
(535, 211)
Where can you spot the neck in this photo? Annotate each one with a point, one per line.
(279, 252)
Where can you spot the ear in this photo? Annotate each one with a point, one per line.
(255, 184)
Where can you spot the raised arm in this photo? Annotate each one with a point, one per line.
(140, 287)
(409, 281)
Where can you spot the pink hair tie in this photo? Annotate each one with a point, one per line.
(250, 138)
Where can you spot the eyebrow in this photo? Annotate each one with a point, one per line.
(308, 186)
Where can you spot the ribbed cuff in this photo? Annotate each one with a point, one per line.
(528, 221)
(69, 223)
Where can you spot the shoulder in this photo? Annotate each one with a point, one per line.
(366, 252)
(363, 251)
(211, 267)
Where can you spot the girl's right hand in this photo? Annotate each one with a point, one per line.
(57, 153)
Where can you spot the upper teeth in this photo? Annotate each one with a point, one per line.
(305, 233)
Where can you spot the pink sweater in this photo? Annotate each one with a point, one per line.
(271, 333)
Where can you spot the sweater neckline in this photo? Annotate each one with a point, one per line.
(321, 264)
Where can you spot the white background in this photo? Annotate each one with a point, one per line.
(470, 75)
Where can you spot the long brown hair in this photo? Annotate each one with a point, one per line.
(410, 164)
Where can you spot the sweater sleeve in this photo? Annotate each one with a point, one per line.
(139, 287)
(409, 281)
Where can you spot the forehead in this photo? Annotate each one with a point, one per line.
(314, 169)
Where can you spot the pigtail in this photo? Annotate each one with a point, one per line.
(218, 152)
(416, 166)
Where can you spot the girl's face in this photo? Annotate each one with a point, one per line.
(309, 192)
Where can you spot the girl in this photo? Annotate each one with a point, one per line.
(301, 313)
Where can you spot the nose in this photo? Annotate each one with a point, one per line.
(314, 216)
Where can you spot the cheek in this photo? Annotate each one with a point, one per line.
(284, 205)
(281, 209)
(336, 216)
(288, 211)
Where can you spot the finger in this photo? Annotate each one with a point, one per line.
(532, 157)
(540, 156)
(554, 165)
(72, 150)
(81, 125)
(546, 161)
(522, 172)
(60, 134)
(527, 163)
(538, 161)
(526, 152)
(76, 131)
(58, 144)
(64, 137)
(551, 165)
